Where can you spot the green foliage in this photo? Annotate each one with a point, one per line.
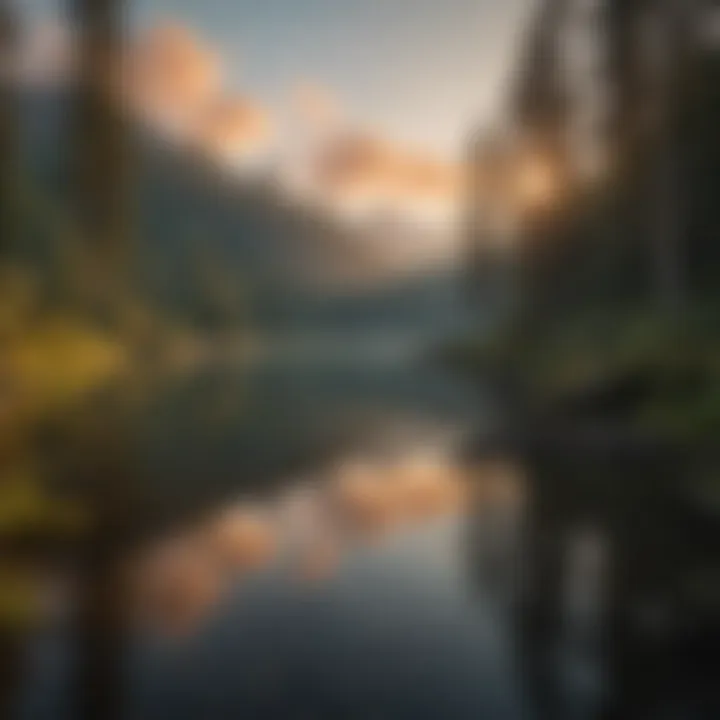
(28, 510)
(679, 365)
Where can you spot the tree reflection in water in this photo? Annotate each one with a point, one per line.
(591, 561)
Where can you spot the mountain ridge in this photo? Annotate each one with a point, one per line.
(210, 243)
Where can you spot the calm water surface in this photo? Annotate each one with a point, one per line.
(403, 628)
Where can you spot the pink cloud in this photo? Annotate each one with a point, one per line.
(233, 128)
(315, 105)
(379, 175)
(172, 76)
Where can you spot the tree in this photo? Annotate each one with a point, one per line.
(99, 207)
(8, 128)
(99, 161)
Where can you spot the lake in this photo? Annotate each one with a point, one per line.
(420, 618)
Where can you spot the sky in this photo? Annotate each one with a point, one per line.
(363, 109)
(425, 72)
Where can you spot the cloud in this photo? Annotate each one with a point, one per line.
(234, 129)
(172, 76)
(354, 168)
(173, 81)
(372, 174)
(426, 183)
(315, 105)
(175, 84)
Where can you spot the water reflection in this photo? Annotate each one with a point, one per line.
(178, 580)
(355, 556)
(590, 564)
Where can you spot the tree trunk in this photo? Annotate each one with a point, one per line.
(8, 130)
(99, 207)
(100, 151)
(666, 210)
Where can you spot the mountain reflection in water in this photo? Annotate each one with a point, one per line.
(304, 552)
(321, 542)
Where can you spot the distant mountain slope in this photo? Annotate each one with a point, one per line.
(208, 243)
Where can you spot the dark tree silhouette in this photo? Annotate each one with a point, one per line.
(100, 150)
(10, 637)
(99, 206)
(649, 45)
(587, 461)
(8, 128)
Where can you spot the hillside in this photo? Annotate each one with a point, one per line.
(217, 248)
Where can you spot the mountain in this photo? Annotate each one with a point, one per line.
(209, 244)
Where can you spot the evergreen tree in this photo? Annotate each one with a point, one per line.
(8, 128)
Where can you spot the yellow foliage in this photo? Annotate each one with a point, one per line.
(57, 361)
(26, 507)
(19, 601)
(18, 300)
